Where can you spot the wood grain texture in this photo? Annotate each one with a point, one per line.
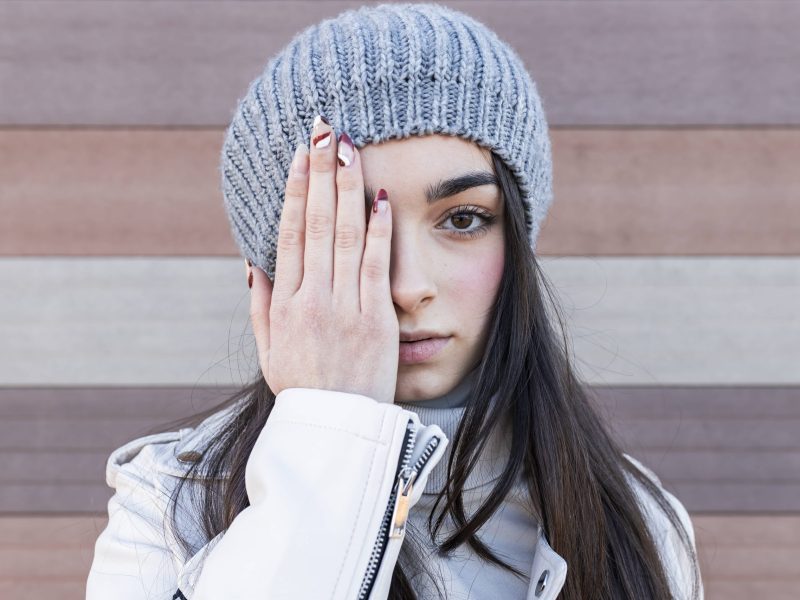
(741, 556)
(185, 321)
(634, 192)
(719, 449)
(673, 244)
(179, 63)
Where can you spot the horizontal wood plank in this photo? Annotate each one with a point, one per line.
(595, 62)
(741, 556)
(53, 460)
(634, 192)
(185, 321)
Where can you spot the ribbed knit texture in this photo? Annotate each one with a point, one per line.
(380, 72)
(511, 532)
(447, 412)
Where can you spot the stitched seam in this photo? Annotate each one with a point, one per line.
(358, 514)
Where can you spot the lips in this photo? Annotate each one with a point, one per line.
(421, 350)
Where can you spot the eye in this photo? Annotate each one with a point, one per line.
(464, 216)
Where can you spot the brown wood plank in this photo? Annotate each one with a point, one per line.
(741, 556)
(99, 192)
(77, 192)
(595, 62)
(53, 451)
(680, 402)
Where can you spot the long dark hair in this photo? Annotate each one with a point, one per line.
(576, 473)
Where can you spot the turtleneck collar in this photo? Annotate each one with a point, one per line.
(447, 411)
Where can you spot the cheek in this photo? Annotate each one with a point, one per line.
(475, 281)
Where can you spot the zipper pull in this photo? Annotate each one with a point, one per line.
(400, 513)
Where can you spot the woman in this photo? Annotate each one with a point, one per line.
(415, 429)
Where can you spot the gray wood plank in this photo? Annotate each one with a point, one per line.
(595, 62)
(54, 460)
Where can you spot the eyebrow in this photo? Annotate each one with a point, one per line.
(447, 187)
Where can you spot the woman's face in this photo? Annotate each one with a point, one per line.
(446, 263)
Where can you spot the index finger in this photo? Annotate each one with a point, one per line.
(292, 229)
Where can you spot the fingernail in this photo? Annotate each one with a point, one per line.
(381, 202)
(300, 160)
(250, 280)
(249, 264)
(322, 129)
(346, 153)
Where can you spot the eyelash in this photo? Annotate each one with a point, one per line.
(464, 209)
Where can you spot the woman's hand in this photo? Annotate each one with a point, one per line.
(328, 320)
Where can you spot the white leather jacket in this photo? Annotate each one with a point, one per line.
(330, 481)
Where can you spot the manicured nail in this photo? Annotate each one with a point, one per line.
(300, 160)
(381, 202)
(346, 152)
(250, 280)
(249, 264)
(323, 131)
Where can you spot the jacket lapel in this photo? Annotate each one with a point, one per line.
(548, 572)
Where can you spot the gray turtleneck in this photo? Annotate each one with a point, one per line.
(510, 532)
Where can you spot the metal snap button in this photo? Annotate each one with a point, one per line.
(542, 583)
(190, 456)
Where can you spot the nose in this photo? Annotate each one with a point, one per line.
(411, 273)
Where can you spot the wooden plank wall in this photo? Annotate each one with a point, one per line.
(673, 243)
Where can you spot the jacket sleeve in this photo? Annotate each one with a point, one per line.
(133, 560)
(677, 560)
(329, 490)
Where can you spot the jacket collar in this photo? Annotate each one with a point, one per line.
(192, 445)
(548, 571)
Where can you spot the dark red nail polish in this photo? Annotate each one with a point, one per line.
(250, 280)
(382, 195)
(249, 264)
(346, 151)
(319, 139)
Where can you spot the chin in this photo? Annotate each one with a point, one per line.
(421, 382)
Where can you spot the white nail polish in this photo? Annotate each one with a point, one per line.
(323, 142)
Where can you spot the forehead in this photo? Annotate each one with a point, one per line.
(418, 160)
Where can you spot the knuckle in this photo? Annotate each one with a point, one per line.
(380, 230)
(289, 238)
(348, 237)
(318, 225)
(311, 311)
(373, 325)
(373, 270)
(295, 186)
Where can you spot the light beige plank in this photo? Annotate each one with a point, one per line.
(178, 321)
(595, 62)
(667, 321)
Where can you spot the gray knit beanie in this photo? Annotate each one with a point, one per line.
(380, 72)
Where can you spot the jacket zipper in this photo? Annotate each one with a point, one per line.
(394, 520)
